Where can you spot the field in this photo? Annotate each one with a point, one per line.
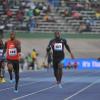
(82, 45)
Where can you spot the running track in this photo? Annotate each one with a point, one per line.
(40, 85)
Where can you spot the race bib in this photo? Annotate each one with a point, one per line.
(58, 46)
(12, 52)
(1, 52)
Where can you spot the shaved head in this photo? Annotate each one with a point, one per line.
(57, 35)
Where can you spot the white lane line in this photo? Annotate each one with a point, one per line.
(34, 93)
(42, 90)
(19, 86)
(83, 89)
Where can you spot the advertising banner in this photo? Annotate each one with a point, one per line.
(81, 63)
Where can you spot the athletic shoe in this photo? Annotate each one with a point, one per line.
(60, 86)
(3, 80)
(12, 81)
(15, 91)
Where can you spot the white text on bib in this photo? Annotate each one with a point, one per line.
(58, 46)
(12, 52)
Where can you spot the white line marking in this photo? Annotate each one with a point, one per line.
(19, 86)
(83, 89)
(34, 93)
(38, 91)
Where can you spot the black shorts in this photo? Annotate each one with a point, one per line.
(56, 62)
(15, 64)
(49, 60)
(12, 61)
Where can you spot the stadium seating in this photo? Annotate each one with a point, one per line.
(57, 20)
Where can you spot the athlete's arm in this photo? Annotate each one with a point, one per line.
(18, 46)
(48, 47)
(5, 47)
(68, 49)
(48, 50)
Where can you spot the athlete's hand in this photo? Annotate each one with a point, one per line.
(20, 56)
(72, 56)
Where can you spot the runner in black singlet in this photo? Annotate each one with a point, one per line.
(57, 45)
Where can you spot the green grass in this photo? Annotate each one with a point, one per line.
(51, 35)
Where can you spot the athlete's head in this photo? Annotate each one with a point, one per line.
(57, 35)
(12, 35)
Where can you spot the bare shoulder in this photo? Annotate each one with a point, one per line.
(17, 42)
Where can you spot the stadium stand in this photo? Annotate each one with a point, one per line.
(62, 15)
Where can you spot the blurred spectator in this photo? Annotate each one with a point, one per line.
(25, 65)
(90, 21)
(84, 27)
(32, 5)
(98, 14)
(11, 3)
(45, 8)
(79, 7)
(31, 24)
(9, 24)
(5, 4)
(66, 12)
(30, 13)
(2, 26)
(63, 3)
(76, 15)
(36, 11)
(16, 2)
(34, 55)
(22, 61)
(95, 4)
(48, 18)
(40, 5)
(55, 3)
(20, 15)
(87, 5)
(9, 13)
(23, 5)
(49, 8)
(29, 61)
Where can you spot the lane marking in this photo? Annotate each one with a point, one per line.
(83, 89)
(19, 86)
(36, 92)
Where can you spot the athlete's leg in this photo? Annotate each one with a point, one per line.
(59, 73)
(55, 68)
(16, 71)
(58, 70)
(2, 69)
(56, 74)
(10, 69)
